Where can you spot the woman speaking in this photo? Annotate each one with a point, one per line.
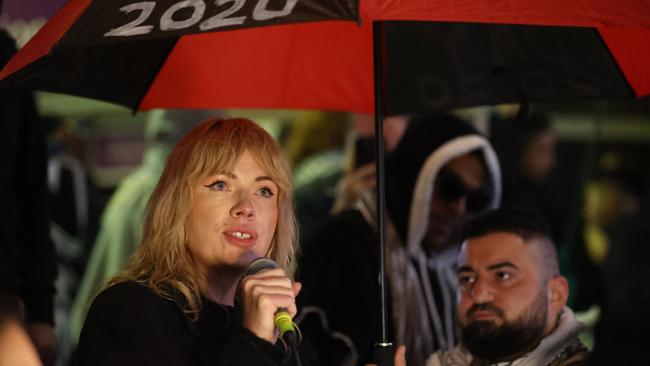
(223, 200)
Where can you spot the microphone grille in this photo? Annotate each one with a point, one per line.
(260, 264)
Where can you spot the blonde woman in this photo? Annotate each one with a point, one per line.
(224, 199)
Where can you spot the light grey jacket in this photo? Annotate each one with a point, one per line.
(560, 348)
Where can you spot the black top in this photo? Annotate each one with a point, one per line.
(338, 269)
(128, 324)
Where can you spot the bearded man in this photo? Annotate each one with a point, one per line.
(512, 298)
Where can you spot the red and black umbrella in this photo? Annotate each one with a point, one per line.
(318, 54)
(339, 55)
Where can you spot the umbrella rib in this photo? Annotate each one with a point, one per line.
(137, 105)
(616, 64)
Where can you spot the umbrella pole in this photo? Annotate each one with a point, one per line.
(383, 348)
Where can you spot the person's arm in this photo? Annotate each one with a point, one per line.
(15, 346)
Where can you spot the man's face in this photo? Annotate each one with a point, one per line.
(460, 190)
(503, 303)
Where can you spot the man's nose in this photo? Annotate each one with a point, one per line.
(481, 292)
(243, 207)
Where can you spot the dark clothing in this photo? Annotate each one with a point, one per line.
(341, 280)
(27, 259)
(622, 330)
(128, 324)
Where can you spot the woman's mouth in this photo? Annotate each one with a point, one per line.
(242, 237)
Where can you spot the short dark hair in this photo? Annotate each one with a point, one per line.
(526, 224)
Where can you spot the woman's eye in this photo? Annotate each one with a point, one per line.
(218, 186)
(266, 192)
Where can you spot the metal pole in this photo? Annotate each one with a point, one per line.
(383, 348)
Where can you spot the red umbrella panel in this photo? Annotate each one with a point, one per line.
(167, 54)
(114, 49)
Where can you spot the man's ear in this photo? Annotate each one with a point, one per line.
(558, 293)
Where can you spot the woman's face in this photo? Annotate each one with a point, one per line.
(233, 217)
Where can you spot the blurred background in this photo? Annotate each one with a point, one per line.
(581, 164)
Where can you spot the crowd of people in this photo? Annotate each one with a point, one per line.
(468, 283)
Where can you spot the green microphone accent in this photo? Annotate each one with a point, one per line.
(283, 322)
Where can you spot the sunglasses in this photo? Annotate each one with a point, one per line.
(450, 187)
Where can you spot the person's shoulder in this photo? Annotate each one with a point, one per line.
(339, 231)
(456, 356)
(345, 239)
(126, 288)
(340, 223)
(125, 321)
(574, 354)
(127, 294)
(128, 305)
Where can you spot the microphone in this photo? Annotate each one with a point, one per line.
(282, 319)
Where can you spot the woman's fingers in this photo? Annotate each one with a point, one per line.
(297, 286)
(262, 295)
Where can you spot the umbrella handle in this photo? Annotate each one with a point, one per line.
(384, 354)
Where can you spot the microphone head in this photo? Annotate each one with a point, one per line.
(260, 264)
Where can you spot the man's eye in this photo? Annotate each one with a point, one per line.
(465, 280)
(218, 186)
(266, 192)
(504, 276)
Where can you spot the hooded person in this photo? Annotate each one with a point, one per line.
(442, 172)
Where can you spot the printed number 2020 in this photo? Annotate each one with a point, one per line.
(168, 23)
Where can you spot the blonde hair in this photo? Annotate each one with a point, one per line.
(163, 262)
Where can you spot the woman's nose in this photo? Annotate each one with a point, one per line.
(243, 207)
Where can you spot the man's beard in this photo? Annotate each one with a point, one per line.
(512, 339)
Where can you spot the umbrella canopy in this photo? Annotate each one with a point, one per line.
(442, 66)
(165, 54)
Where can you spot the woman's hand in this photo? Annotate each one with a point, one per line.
(262, 295)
